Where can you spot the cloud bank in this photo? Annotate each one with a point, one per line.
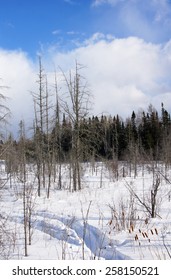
(123, 75)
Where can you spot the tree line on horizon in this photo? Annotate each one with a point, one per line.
(108, 138)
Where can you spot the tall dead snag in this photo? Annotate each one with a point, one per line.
(22, 178)
(40, 111)
(76, 107)
(27, 185)
(56, 140)
(48, 146)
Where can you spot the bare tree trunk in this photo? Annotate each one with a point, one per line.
(57, 137)
(23, 180)
(79, 99)
(153, 197)
(40, 110)
(25, 219)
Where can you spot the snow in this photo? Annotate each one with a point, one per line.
(94, 223)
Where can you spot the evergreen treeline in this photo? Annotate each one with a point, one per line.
(144, 135)
(110, 137)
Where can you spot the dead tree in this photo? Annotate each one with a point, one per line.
(56, 139)
(23, 179)
(77, 108)
(48, 135)
(39, 124)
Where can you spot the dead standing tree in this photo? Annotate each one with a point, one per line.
(23, 179)
(56, 139)
(49, 149)
(76, 107)
(40, 111)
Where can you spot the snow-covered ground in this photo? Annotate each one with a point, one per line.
(102, 221)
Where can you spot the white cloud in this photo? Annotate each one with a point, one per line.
(18, 74)
(123, 74)
(96, 37)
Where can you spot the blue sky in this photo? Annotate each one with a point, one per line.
(32, 24)
(124, 44)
